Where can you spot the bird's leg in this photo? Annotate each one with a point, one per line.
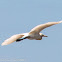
(18, 40)
(22, 38)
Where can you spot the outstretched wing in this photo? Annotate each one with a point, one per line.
(12, 39)
(39, 28)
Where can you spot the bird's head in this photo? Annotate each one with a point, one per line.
(42, 35)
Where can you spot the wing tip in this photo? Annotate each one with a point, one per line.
(60, 21)
(2, 44)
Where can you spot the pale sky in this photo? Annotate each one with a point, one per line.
(20, 16)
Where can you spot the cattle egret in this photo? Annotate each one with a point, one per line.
(33, 34)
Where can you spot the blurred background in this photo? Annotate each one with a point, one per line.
(20, 16)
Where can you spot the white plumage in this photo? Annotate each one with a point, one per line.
(33, 34)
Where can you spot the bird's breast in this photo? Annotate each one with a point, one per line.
(36, 36)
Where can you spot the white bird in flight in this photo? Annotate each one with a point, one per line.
(33, 34)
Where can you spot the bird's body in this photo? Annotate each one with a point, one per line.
(33, 34)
